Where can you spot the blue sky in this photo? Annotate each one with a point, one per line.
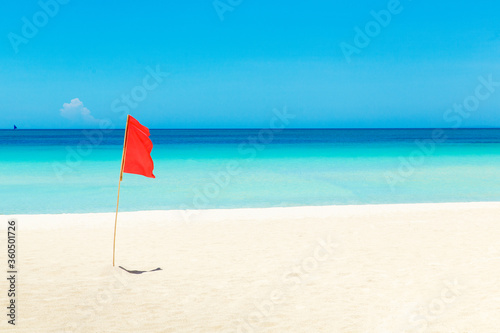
(77, 67)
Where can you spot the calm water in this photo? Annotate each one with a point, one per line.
(67, 171)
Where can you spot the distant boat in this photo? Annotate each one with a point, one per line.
(15, 127)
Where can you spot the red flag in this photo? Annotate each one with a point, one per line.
(137, 149)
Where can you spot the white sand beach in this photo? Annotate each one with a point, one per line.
(373, 268)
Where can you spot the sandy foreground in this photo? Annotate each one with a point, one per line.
(374, 268)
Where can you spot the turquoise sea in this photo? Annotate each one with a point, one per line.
(70, 171)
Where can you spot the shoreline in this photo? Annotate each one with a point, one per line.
(273, 210)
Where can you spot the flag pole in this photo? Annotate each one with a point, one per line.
(124, 152)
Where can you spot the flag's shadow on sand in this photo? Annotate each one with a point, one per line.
(139, 272)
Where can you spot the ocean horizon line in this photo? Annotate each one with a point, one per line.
(258, 128)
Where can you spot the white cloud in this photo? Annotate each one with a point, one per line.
(76, 112)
